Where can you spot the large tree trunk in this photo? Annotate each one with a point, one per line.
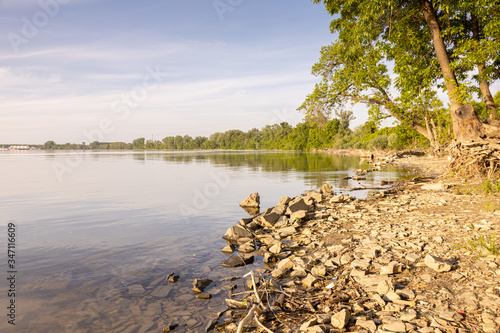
(466, 124)
(483, 83)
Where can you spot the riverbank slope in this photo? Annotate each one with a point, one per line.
(421, 257)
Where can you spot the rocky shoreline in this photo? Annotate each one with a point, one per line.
(419, 257)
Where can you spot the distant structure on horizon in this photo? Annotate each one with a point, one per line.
(21, 148)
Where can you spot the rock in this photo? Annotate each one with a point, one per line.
(280, 210)
(378, 299)
(341, 319)
(395, 326)
(228, 249)
(278, 272)
(173, 279)
(238, 260)
(315, 329)
(345, 259)
(357, 272)
(326, 189)
(309, 281)
(136, 290)
(285, 232)
(284, 201)
(490, 328)
(384, 287)
(450, 316)
(370, 282)
(409, 315)
(203, 296)
(392, 268)
(319, 270)
(435, 187)
(337, 199)
(199, 285)
(437, 264)
(247, 247)
(211, 325)
(315, 196)
(367, 324)
(323, 318)
(253, 200)
(412, 257)
(269, 219)
(252, 211)
(296, 205)
(276, 248)
(298, 272)
(300, 214)
(363, 264)
(392, 296)
(236, 232)
(308, 324)
(406, 293)
(285, 264)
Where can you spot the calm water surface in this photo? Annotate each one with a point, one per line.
(92, 224)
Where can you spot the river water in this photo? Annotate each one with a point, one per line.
(97, 233)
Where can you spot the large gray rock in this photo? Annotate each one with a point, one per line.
(284, 201)
(238, 260)
(309, 281)
(236, 232)
(269, 219)
(326, 189)
(199, 285)
(253, 200)
(296, 205)
(300, 214)
(437, 264)
(341, 319)
(247, 247)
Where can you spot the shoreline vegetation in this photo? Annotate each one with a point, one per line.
(419, 257)
(304, 136)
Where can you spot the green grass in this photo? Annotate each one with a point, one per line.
(491, 206)
(483, 242)
(490, 186)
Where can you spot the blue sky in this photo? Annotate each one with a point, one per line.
(109, 70)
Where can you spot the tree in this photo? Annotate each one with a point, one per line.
(138, 143)
(49, 145)
(421, 40)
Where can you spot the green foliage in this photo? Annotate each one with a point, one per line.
(304, 136)
(138, 143)
(384, 57)
(490, 186)
(49, 145)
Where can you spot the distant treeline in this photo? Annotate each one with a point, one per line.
(304, 136)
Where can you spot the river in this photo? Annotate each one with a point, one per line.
(90, 225)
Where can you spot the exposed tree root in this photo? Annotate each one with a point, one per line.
(469, 159)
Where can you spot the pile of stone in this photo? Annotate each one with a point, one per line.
(394, 263)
